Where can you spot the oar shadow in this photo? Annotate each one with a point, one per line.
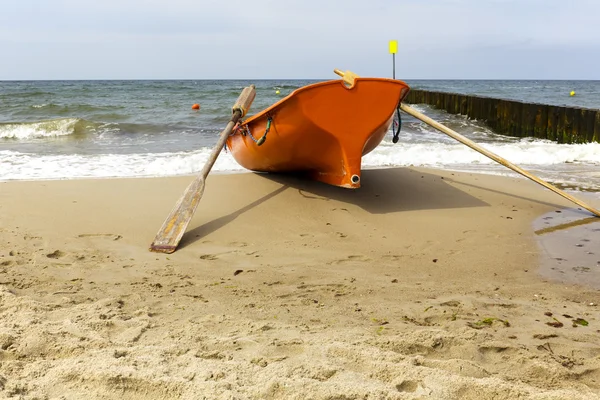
(386, 191)
(516, 196)
(209, 227)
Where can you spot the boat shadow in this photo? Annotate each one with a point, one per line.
(382, 191)
(385, 191)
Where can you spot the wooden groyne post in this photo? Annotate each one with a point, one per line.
(514, 118)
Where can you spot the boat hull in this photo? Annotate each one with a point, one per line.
(322, 130)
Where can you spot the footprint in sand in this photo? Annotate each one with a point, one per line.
(409, 386)
(496, 352)
(109, 236)
(308, 196)
(351, 258)
(35, 241)
(209, 257)
(56, 254)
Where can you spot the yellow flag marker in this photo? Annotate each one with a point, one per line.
(393, 51)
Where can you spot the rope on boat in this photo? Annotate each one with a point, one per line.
(246, 131)
(263, 138)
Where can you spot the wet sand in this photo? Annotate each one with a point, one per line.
(570, 247)
(421, 284)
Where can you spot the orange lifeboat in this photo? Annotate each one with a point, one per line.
(322, 130)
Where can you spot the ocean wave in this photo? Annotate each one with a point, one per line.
(40, 129)
(573, 163)
(22, 166)
(61, 127)
(286, 87)
(525, 151)
(77, 109)
(25, 94)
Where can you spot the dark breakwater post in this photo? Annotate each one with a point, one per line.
(514, 118)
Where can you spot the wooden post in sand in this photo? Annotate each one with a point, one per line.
(498, 159)
(168, 237)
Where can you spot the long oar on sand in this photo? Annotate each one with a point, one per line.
(168, 237)
(474, 146)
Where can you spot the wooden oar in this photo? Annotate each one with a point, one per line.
(474, 146)
(168, 237)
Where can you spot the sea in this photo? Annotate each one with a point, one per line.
(147, 128)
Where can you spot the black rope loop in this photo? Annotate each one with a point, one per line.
(398, 125)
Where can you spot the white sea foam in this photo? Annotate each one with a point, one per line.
(578, 164)
(531, 152)
(41, 129)
(19, 166)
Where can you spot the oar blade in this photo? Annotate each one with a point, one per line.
(168, 237)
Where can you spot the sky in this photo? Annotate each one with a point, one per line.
(298, 39)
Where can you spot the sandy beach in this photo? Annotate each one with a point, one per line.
(423, 284)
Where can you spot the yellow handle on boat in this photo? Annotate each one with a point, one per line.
(348, 77)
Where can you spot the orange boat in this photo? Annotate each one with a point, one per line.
(322, 129)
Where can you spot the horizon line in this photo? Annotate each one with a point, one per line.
(288, 79)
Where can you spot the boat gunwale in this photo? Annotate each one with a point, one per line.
(314, 85)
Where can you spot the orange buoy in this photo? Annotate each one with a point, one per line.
(196, 107)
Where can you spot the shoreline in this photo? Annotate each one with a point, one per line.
(502, 172)
(422, 283)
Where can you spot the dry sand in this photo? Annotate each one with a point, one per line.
(422, 284)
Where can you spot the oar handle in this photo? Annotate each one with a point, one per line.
(244, 101)
(495, 157)
(239, 109)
